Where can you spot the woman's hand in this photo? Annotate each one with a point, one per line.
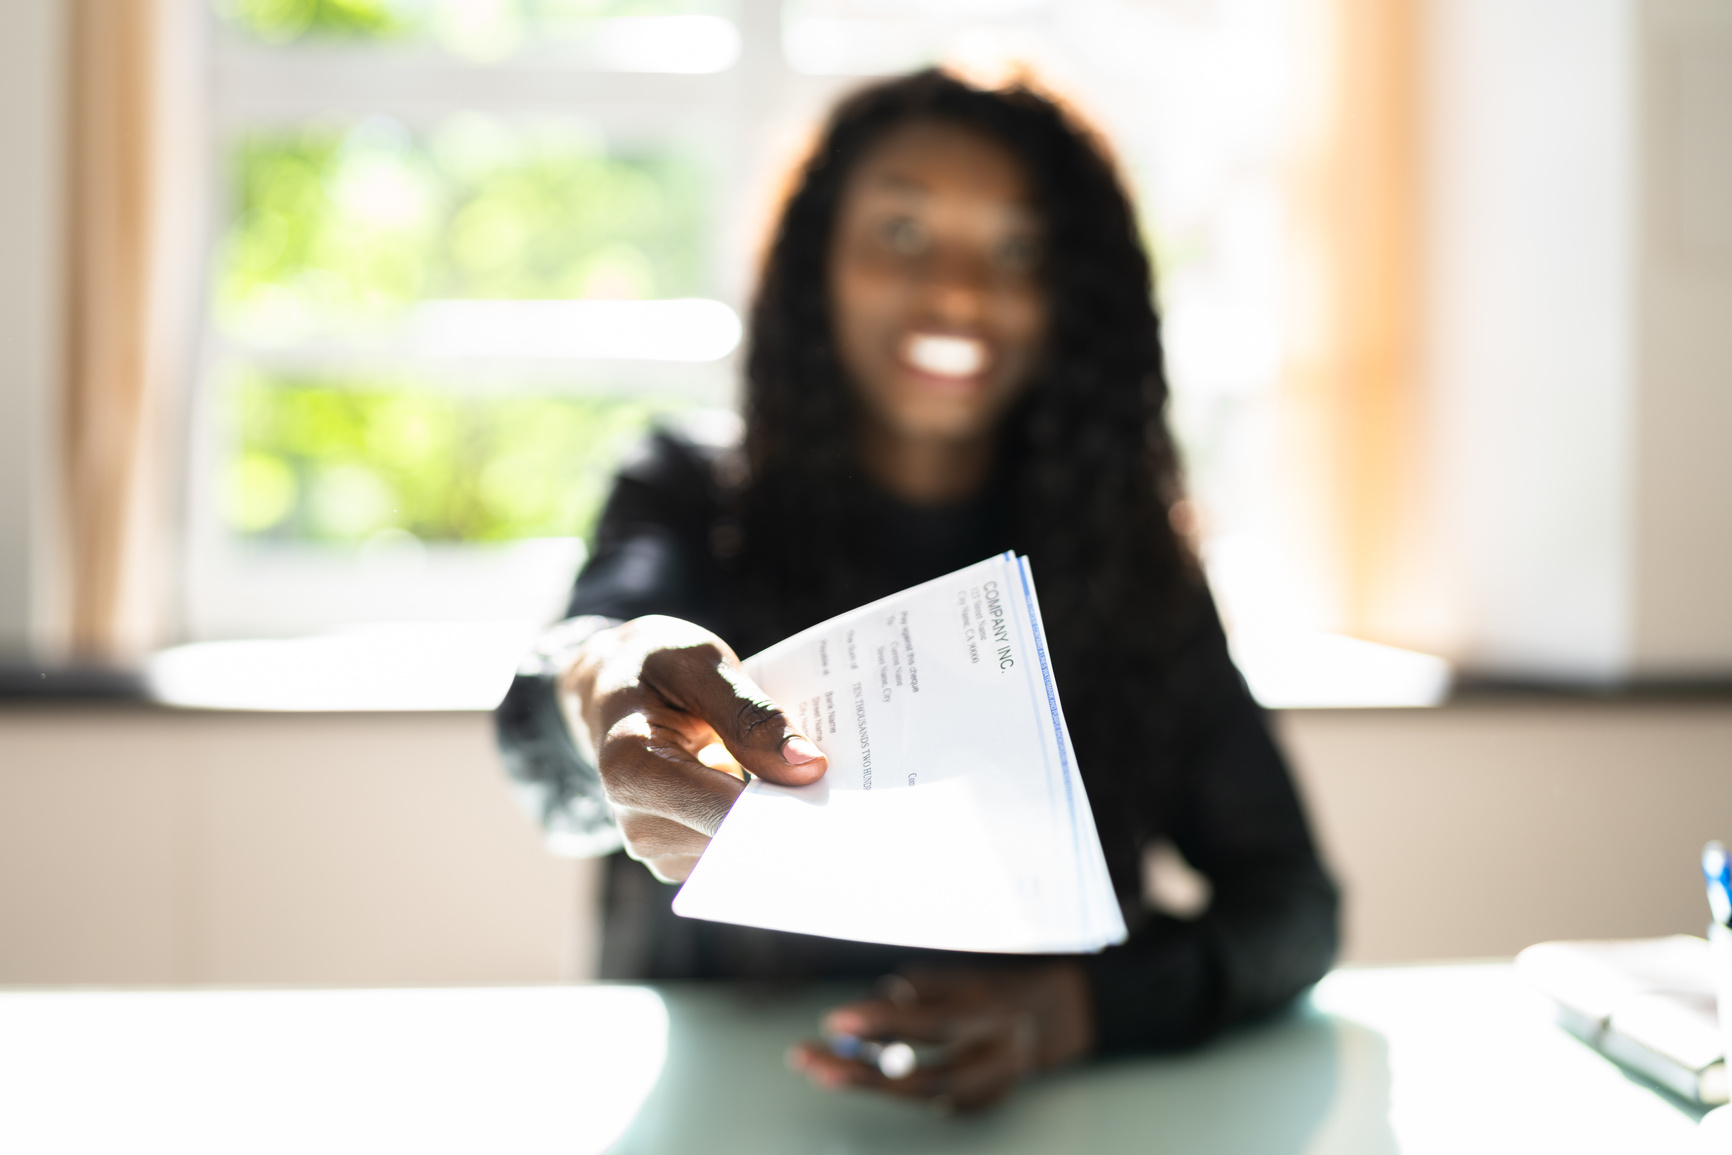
(657, 700)
(999, 1027)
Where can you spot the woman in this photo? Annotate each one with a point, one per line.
(953, 353)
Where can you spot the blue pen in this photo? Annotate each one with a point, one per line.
(1717, 870)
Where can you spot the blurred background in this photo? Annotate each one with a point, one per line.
(323, 324)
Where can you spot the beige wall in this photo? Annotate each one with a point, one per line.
(145, 846)
(148, 846)
(1477, 830)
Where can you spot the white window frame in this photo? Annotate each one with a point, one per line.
(235, 589)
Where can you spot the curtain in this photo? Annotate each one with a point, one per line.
(1351, 397)
(127, 255)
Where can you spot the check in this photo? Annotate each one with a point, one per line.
(952, 815)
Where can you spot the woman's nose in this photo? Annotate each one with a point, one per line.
(956, 292)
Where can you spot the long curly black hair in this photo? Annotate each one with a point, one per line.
(1087, 449)
(1086, 452)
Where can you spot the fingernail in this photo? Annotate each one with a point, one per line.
(796, 1059)
(797, 751)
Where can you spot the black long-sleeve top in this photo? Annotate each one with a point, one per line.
(1268, 933)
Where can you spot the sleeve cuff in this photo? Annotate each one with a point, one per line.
(551, 779)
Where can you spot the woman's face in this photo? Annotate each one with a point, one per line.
(934, 282)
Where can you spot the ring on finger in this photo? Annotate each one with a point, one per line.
(901, 993)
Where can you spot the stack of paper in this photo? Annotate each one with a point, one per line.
(952, 815)
(1646, 1003)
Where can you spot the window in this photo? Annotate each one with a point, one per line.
(467, 250)
(454, 274)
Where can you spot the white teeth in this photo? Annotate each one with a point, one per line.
(945, 356)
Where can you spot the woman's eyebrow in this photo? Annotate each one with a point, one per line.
(1017, 214)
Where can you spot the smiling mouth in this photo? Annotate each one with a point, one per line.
(957, 358)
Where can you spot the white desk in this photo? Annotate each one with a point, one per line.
(1435, 1059)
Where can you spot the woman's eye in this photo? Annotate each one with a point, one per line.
(905, 237)
(1018, 254)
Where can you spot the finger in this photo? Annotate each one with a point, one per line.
(647, 769)
(899, 990)
(705, 681)
(826, 1068)
(830, 1070)
(942, 1021)
(981, 1076)
(692, 734)
(650, 836)
(928, 984)
(978, 1078)
(816, 1060)
(988, 1087)
(990, 1074)
(674, 868)
(883, 1019)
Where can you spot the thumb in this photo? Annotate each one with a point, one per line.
(756, 731)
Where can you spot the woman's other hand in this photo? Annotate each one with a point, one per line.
(997, 1027)
(671, 718)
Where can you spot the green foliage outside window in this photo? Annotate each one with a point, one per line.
(278, 21)
(287, 21)
(332, 461)
(337, 226)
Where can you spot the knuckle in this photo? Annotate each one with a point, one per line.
(672, 868)
(754, 718)
(650, 780)
(619, 761)
(677, 664)
(646, 791)
(648, 837)
(710, 813)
